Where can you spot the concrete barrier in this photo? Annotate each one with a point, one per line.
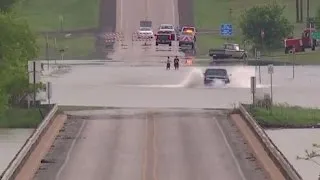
(277, 157)
(23, 154)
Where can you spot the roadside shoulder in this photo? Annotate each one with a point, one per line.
(29, 169)
(262, 156)
(250, 167)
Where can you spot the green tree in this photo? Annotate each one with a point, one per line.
(6, 5)
(17, 47)
(317, 18)
(268, 18)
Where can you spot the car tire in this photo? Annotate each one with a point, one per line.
(286, 51)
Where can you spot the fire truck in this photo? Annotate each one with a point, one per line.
(300, 44)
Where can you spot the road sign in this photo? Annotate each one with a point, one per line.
(253, 84)
(315, 35)
(226, 30)
(270, 69)
(49, 90)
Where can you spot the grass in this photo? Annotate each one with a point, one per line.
(210, 14)
(286, 116)
(302, 58)
(43, 15)
(20, 118)
(76, 47)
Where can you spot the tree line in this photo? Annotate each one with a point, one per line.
(17, 47)
(265, 26)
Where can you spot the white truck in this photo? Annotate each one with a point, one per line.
(186, 40)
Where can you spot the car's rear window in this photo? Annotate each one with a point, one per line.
(166, 27)
(145, 29)
(163, 37)
(216, 72)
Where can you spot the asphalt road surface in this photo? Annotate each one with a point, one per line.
(129, 14)
(149, 144)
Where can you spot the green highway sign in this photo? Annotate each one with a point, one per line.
(315, 35)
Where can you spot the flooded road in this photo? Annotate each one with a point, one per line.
(124, 85)
(11, 140)
(293, 143)
(153, 86)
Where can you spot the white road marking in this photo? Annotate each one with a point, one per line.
(230, 150)
(70, 151)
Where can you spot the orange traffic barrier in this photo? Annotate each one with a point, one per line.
(189, 62)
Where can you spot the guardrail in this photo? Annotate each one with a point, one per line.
(277, 157)
(23, 154)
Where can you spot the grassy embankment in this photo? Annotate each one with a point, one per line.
(210, 14)
(44, 16)
(21, 118)
(286, 116)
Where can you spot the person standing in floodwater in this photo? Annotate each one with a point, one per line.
(168, 63)
(176, 63)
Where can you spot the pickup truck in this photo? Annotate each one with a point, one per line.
(186, 39)
(229, 50)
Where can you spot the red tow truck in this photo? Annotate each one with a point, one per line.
(300, 44)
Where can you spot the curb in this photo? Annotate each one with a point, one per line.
(275, 154)
(23, 154)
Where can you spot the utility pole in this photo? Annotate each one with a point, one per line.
(308, 10)
(297, 11)
(230, 15)
(34, 84)
(47, 50)
(301, 10)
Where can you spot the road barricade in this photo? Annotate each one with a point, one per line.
(112, 37)
(136, 37)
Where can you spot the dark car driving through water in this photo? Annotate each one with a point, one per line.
(212, 74)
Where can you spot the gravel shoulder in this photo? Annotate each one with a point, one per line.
(59, 150)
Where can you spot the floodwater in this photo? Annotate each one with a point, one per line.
(153, 86)
(150, 85)
(11, 140)
(293, 143)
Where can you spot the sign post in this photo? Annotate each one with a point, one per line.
(271, 71)
(49, 91)
(253, 88)
(34, 69)
(293, 61)
(258, 58)
(62, 53)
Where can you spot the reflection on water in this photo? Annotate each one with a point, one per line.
(11, 140)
